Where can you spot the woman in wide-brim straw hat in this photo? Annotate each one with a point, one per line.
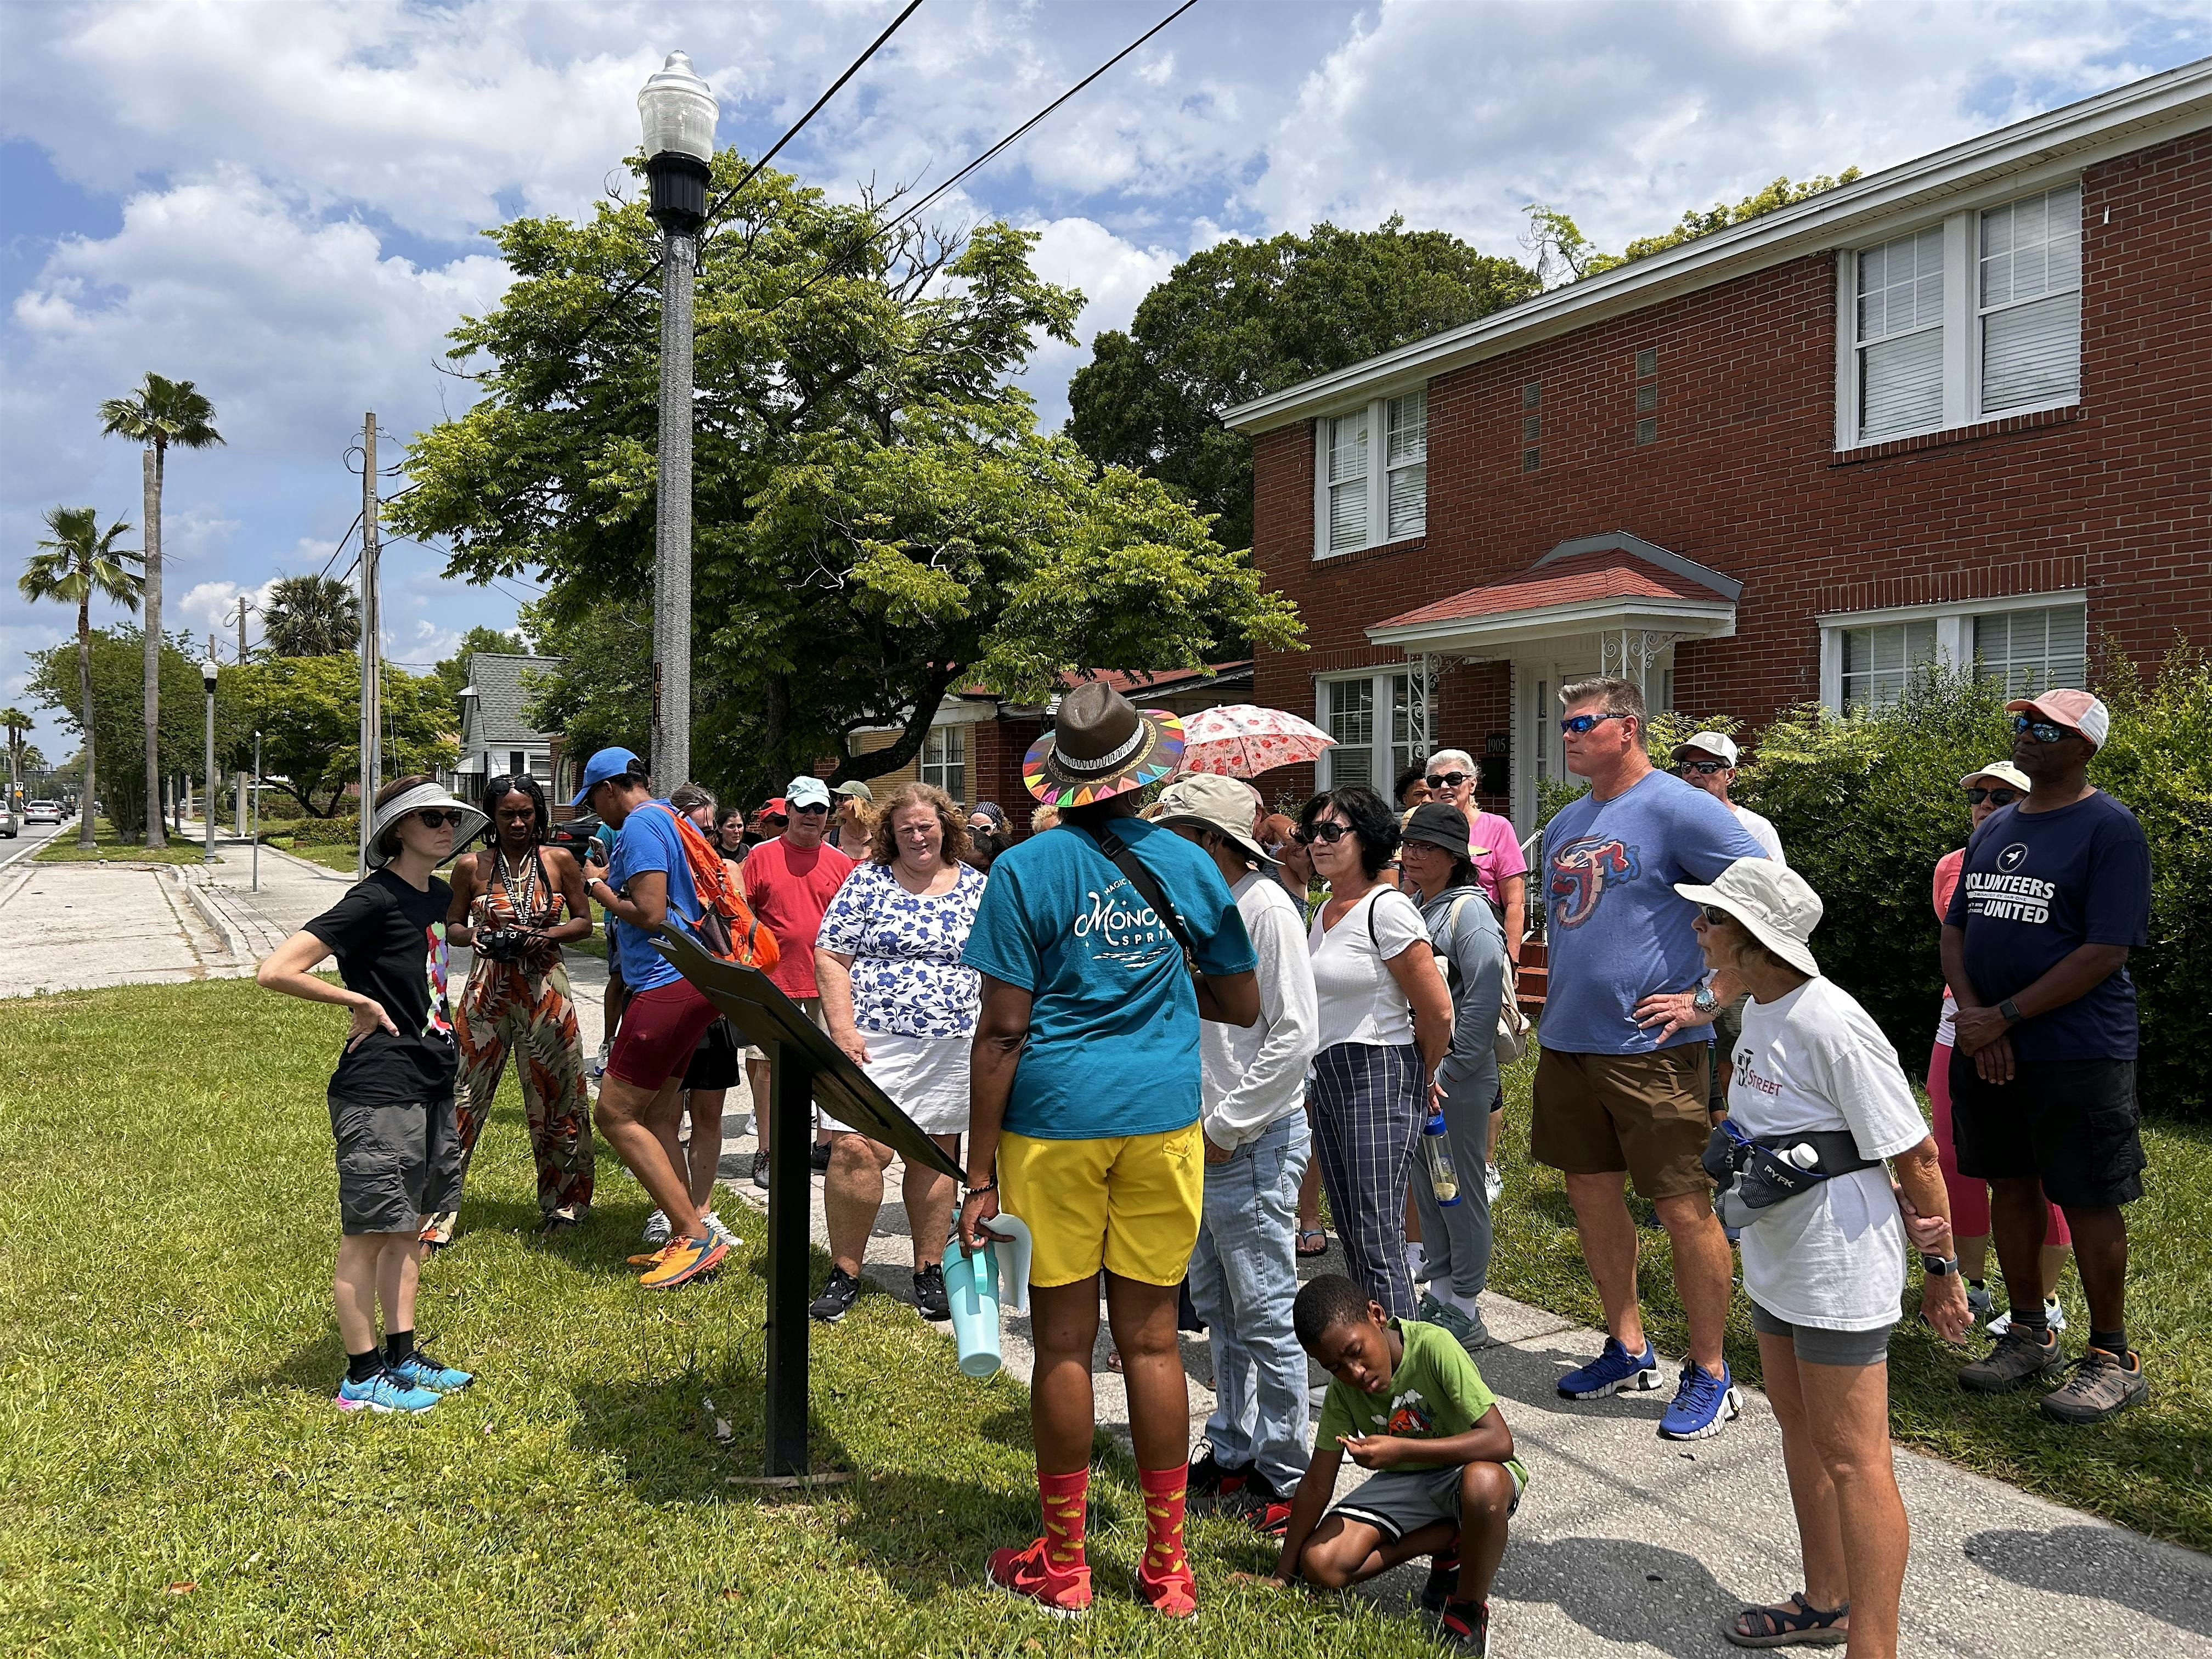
(1085, 1106)
(1823, 1269)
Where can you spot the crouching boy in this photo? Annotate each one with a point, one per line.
(1409, 1404)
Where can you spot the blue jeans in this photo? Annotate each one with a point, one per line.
(1243, 1278)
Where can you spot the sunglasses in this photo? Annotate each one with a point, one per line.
(1581, 724)
(811, 812)
(437, 818)
(1703, 768)
(1715, 917)
(1331, 833)
(1447, 779)
(2041, 731)
(773, 818)
(1995, 797)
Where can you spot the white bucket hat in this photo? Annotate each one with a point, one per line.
(1776, 904)
(2004, 772)
(422, 798)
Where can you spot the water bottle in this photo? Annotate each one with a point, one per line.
(1803, 1156)
(1436, 1152)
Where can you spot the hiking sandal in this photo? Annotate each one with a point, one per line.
(1797, 1621)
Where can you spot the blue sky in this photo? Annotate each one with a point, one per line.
(284, 203)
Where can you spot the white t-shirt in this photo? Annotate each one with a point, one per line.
(1359, 1000)
(1251, 1076)
(1760, 832)
(1834, 1257)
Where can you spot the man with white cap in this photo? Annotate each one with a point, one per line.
(789, 883)
(1244, 1272)
(392, 1096)
(2055, 892)
(1708, 760)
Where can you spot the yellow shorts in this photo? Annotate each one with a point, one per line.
(1128, 1204)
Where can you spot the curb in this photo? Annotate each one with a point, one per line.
(233, 941)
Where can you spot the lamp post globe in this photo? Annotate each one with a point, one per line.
(679, 110)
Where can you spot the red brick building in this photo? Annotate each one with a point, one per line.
(1959, 409)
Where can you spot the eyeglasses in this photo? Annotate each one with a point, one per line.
(2041, 731)
(1715, 917)
(1579, 725)
(1331, 833)
(1703, 768)
(1996, 797)
(811, 809)
(437, 819)
(1447, 779)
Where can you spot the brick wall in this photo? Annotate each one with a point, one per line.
(2113, 495)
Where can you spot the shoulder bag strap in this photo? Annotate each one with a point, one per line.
(1146, 883)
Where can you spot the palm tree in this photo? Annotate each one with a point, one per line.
(17, 724)
(160, 413)
(77, 562)
(311, 617)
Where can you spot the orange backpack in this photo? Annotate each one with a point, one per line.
(727, 927)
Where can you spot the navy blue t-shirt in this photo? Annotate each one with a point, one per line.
(2037, 886)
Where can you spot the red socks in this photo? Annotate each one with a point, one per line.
(1061, 1496)
(1163, 1505)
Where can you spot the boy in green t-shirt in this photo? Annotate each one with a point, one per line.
(1409, 1404)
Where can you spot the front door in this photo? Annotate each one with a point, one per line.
(1537, 758)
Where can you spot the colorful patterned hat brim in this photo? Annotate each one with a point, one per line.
(1156, 758)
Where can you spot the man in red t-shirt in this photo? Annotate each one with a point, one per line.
(789, 883)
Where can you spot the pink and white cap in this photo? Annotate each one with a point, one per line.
(2077, 710)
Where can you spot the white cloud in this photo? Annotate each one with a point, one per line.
(1114, 274)
(212, 607)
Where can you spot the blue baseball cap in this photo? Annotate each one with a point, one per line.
(607, 764)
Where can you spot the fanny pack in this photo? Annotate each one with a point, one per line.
(1755, 1174)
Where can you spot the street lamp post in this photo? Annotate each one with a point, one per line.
(207, 679)
(257, 811)
(679, 110)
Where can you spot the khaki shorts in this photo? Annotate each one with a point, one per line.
(1600, 1114)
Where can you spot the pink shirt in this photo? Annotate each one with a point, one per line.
(1496, 851)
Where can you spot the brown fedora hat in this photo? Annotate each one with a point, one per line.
(1100, 745)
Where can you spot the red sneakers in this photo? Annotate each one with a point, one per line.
(1063, 1591)
(1173, 1592)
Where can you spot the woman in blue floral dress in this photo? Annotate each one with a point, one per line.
(897, 999)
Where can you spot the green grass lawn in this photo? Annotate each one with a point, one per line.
(106, 844)
(2150, 1468)
(173, 1479)
(329, 855)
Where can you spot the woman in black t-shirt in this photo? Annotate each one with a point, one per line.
(391, 1094)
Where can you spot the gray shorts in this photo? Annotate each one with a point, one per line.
(1817, 1346)
(395, 1164)
(1395, 1502)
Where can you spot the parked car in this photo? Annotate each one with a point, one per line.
(10, 822)
(43, 812)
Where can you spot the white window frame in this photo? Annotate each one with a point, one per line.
(1962, 319)
(938, 764)
(1954, 630)
(1387, 739)
(1379, 469)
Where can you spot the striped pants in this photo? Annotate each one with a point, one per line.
(1367, 1122)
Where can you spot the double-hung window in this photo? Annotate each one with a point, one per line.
(2026, 643)
(1976, 317)
(1372, 474)
(944, 760)
(1380, 722)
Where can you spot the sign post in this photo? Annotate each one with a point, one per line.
(807, 1067)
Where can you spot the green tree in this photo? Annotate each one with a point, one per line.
(160, 412)
(1563, 253)
(78, 560)
(17, 724)
(1241, 320)
(453, 670)
(311, 617)
(596, 688)
(874, 513)
(308, 712)
(117, 666)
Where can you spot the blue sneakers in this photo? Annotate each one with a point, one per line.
(1702, 1404)
(385, 1392)
(420, 1370)
(1614, 1371)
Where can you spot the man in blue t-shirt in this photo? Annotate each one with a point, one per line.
(647, 883)
(1083, 1104)
(2054, 893)
(1623, 1084)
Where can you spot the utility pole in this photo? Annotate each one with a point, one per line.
(372, 759)
(245, 604)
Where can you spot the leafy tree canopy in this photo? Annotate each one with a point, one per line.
(118, 712)
(308, 712)
(453, 671)
(311, 617)
(1565, 254)
(875, 516)
(1241, 320)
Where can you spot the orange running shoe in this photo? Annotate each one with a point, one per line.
(1062, 1591)
(681, 1260)
(1172, 1590)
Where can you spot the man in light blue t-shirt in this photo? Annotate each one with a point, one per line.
(1622, 1083)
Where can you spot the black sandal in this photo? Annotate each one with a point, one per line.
(1797, 1621)
(1321, 1249)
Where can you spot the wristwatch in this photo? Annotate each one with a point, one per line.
(2012, 1015)
(1705, 1002)
(1938, 1266)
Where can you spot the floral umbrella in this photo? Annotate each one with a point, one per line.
(1244, 740)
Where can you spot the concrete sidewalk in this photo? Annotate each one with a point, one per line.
(1628, 1544)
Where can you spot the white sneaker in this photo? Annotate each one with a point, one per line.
(2053, 1316)
(1417, 1261)
(1493, 1181)
(598, 1068)
(657, 1228)
(715, 1226)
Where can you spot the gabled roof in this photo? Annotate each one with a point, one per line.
(1591, 584)
(2131, 117)
(501, 697)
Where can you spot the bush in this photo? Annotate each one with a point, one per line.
(1867, 803)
